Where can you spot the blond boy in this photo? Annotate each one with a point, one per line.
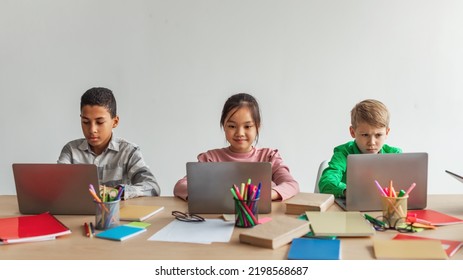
(369, 128)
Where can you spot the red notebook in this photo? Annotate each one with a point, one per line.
(31, 228)
(450, 246)
(436, 218)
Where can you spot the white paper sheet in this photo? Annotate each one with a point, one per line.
(211, 230)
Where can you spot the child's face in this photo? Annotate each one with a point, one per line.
(369, 139)
(240, 130)
(97, 126)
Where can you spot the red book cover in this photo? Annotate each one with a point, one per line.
(31, 228)
(450, 246)
(436, 218)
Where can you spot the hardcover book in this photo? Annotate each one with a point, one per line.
(315, 249)
(351, 224)
(436, 218)
(276, 233)
(121, 233)
(303, 202)
(138, 212)
(408, 250)
(450, 246)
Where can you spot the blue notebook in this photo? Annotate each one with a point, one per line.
(121, 233)
(315, 249)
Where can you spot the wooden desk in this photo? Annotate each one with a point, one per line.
(79, 247)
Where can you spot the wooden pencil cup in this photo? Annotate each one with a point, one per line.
(394, 209)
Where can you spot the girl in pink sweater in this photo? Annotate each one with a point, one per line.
(241, 123)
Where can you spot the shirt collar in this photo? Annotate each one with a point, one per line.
(357, 150)
(114, 144)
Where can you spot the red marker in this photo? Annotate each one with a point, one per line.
(87, 231)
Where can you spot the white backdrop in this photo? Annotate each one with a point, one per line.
(173, 63)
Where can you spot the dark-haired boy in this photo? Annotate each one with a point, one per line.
(120, 163)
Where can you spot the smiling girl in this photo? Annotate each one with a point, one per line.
(241, 123)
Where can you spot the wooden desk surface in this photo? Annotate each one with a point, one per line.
(79, 247)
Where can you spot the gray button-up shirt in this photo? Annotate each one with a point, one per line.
(120, 164)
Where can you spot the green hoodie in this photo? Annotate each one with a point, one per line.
(333, 179)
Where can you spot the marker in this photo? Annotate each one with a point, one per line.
(244, 206)
(374, 221)
(87, 230)
(390, 189)
(242, 188)
(380, 188)
(97, 199)
(258, 190)
(119, 194)
(393, 193)
(410, 189)
(92, 228)
(401, 193)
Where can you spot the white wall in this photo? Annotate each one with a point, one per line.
(173, 63)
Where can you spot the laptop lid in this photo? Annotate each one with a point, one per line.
(209, 185)
(403, 169)
(60, 189)
(455, 175)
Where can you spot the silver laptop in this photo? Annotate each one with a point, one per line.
(60, 189)
(403, 169)
(209, 185)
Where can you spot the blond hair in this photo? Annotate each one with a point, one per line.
(371, 111)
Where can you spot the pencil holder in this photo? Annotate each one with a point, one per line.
(246, 212)
(394, 209)
(107, 214)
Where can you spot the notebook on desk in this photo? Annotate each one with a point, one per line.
(209, 185)
(403, 169)
(60, 189)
